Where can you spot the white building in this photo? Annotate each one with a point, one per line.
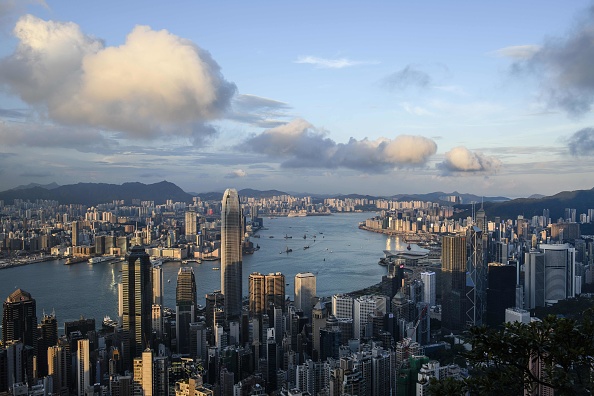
(517, 315)
(342, 306)
(305, 292)
(429, 286)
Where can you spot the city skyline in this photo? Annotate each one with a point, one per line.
(378, 98)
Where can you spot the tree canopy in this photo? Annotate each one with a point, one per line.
(556, 352)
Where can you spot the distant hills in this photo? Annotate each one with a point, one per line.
(581, 200)
(95, 193)
(50, 186)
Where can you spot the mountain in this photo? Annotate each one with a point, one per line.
(50, 186)
(581, 200)
(95, 193)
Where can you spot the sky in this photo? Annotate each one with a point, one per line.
(377, 97)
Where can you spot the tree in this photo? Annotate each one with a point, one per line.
(557, 353)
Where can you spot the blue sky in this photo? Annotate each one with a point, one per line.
(320, 97)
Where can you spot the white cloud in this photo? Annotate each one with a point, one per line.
(323, 63)
(415, 110)
(518, 52)
(299, 144)
(461, 160)
(237, 173)
(154, 84)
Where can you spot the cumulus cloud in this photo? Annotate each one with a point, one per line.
(582, 142)
(408, 77)
(564, 67)
(461, 160)
(324, 63)
(237, 173)
(299, 144)
(154, 84)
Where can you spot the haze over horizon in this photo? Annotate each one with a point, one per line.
(375, 98)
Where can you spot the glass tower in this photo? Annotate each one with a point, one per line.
(185, 301)
(231, 254)
(137, 300)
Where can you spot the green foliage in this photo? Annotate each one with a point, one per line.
(501, 359)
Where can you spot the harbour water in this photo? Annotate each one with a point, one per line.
(343, 258)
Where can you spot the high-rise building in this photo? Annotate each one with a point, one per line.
(476, 286)
(143, 374)
(342, 306)
(57, 363)
(158, 285)
(429, 287)
(305, 292)
(265, 292)
(191, 223)
(83, 366)
(137, 299)
(185, 301)
(231, 232)
(501, 293)
(19, 319)
(47, 337)
(74, 235)
(549, 275)
(453, 276)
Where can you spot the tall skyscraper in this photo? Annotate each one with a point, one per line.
(257, 293)
(137, 299)
(47, 332)
(83, 366)
(305, 291)
(429, 285)
(231, 231)
(185, 301)
(19, 319)
(158, 285)
(453, 276)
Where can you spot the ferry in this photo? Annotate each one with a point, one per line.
(100, 259)
(109, 323)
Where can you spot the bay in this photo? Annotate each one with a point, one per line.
(343, 258)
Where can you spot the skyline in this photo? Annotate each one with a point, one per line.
(378, 98)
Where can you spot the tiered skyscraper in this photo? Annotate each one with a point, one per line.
(231, 231)
(19, 319)
(137, 300)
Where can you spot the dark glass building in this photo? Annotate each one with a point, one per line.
(501, 293)
(137, 299)
(231, 263)
(453, 284)
(19, 319)
(185, 302)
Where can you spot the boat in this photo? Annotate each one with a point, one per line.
(74, 260)
(304, 236)
(100, 259)
(288, 236)
(306, 247)
(215, 268)
(271, 236)
(109, 323)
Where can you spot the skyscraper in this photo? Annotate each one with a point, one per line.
(83, 366)
(453, 276)
(266, 291)
(429, 283)
(137, 299)
(19, 319)
(231, 254)
(185, 301)
(191, 223)
(305, 291)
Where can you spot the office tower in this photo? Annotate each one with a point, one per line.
(191, 223)
(143, 374)
(266, 292)
(158, 285)
(57, 364)
(19, 319)
(137, 299)
(549, 275)
(82, 325)
(305, 291)
(476, 295)
(157, 320)
(429, 285)
(501, 293)
(363, 307)
(342, 306)
(319, 314)
(83, 366)
(231, 232)
(48, 336)
(453, 276)
(185, 301)
(74, 235)
(257, 293)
